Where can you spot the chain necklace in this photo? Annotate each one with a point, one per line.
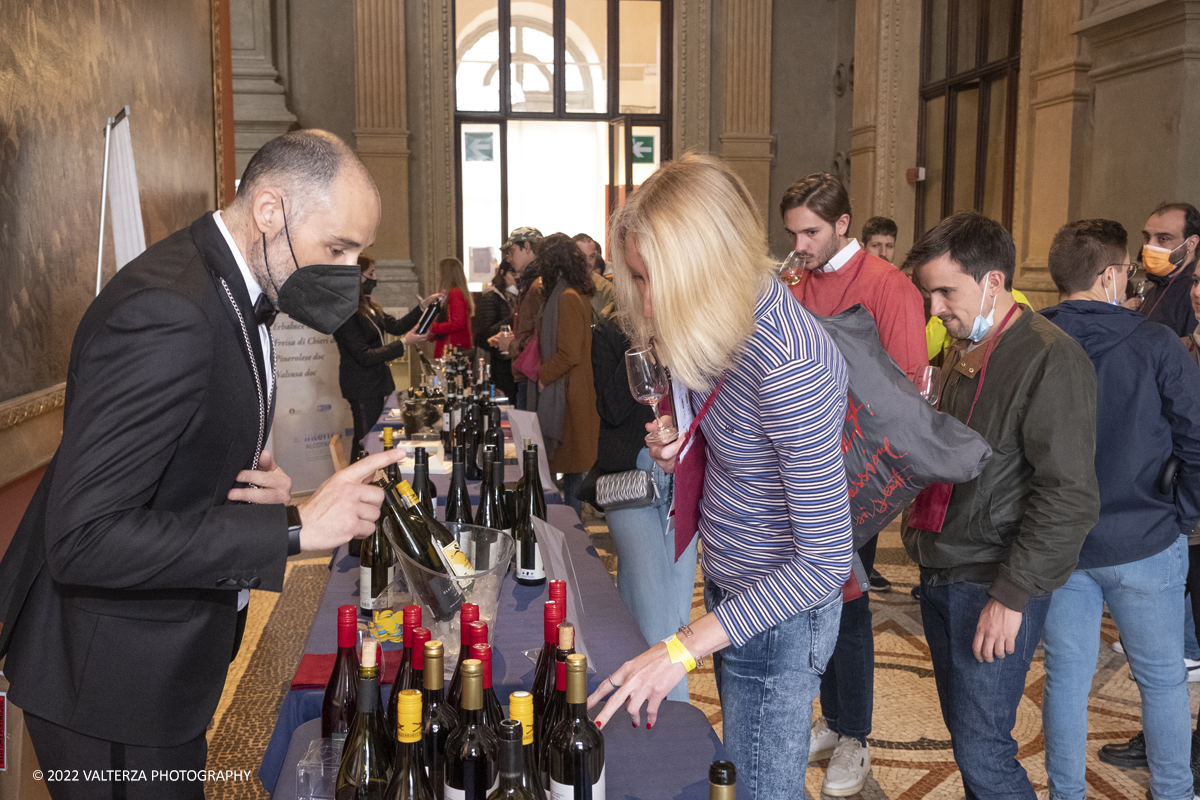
(262, 403)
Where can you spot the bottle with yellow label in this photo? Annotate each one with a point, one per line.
(452, 554)
(409, 781)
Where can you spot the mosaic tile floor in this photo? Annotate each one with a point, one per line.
(911, 758)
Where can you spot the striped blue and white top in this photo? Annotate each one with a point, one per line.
(775, 516)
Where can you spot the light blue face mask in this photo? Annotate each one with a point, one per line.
(982, 324)
(1112, 301)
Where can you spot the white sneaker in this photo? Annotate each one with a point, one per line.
(1118, 647)
(848, 769)
(822, 741)
(1193, 670)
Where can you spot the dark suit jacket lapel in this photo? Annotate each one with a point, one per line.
(219, 260)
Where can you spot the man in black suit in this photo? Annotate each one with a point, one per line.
(123, 592)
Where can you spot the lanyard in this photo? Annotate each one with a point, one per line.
(687, 437)
(1161, 293)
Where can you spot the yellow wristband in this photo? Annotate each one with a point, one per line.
(679, 653)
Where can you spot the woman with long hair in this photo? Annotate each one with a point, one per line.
(761, 391)
(363, 373)
(566, 396)
(496, 306)
(453, 326)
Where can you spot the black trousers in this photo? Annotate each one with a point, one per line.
(78, 767)
(366, 414)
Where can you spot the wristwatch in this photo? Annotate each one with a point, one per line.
(294, 525)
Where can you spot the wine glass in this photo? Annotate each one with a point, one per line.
(791, 269)
(649, 384)
(929, 382)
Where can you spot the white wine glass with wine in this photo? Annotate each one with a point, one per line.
(649, 385)
(791, 269)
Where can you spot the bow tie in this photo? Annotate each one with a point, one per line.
(264, 310)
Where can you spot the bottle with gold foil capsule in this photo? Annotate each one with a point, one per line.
(557, 707)
(575, 747)
(369, 752)
(389, 443)
(520, 708)
(512, 786)
(437, 718)
(403, 680)
(409, 779)
(722, 781)
(467, 614)
(472, 770)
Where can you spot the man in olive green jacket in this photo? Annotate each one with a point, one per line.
(1012, 535)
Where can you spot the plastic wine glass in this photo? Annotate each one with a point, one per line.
(649, 385)
(791, 269)
(929, 381)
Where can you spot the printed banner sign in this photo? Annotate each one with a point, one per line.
(309, 410)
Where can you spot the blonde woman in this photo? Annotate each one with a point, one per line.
(774, 516)
(453, 326)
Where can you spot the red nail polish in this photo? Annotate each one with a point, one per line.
(635, 724)
(648, 726)
(599, 724)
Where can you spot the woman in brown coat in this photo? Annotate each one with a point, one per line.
(566, 401)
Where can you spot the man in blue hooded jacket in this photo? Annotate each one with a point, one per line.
(1135, 559)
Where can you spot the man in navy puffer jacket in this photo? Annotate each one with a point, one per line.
(1135, 559)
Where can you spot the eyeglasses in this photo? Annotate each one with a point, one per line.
(1129, 268)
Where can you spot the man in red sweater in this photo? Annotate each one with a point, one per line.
(836, 274)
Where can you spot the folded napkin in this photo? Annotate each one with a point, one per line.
(315, 669)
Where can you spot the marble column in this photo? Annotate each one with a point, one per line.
(746, 140)
(260, 111)
(381, 133)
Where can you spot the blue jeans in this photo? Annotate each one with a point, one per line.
(1191, 647)
(656, 588)
(848, 685)
(767, 687)
(571, 481)
(979, 700)
(1143, 598)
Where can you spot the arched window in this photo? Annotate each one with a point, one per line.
(537, 83)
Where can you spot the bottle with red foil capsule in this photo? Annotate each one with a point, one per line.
(468, 614)
(558, 593)
(543, 673)
(492, 713)
(341, 693)
(419, 637)
(403, 679)
(556, 709)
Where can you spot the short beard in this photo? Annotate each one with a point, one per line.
(262, 264)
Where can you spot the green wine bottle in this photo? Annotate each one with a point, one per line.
(369, 753)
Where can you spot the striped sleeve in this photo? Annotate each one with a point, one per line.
(803, 406)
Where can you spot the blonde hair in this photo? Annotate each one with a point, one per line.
(452, 276)
(705, 249)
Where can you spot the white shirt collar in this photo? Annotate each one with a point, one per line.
(252, 286)
(844, 255)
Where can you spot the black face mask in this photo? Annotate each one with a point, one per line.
(321, 296)
(369, 285)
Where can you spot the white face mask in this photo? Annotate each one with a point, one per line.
(1112, 301)
(982, 324)
(513, 289)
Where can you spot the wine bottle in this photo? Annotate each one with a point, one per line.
(511, 786)
(420, 637)
(558, 593)
(368, 756)
(533, 482)
(495, 433)
(472, 748)
(472, 440)
(722, 781)
(575, 749)
(447, 415)
(492, 714)
(556, 709)
(391, 470)
(468, 614)
(376, 571)
(458, 500)
(530, 570)
(440, 594)
(491, 512)
(341, 692)
(437, 718)
(520, 708)
(403, 679)
(426, 491)
(452, 555)
(456, 410)
(543, 673)
(428, 316)
(409, 779)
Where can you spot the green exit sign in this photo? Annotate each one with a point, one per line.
(477, 146)
(643, 149)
